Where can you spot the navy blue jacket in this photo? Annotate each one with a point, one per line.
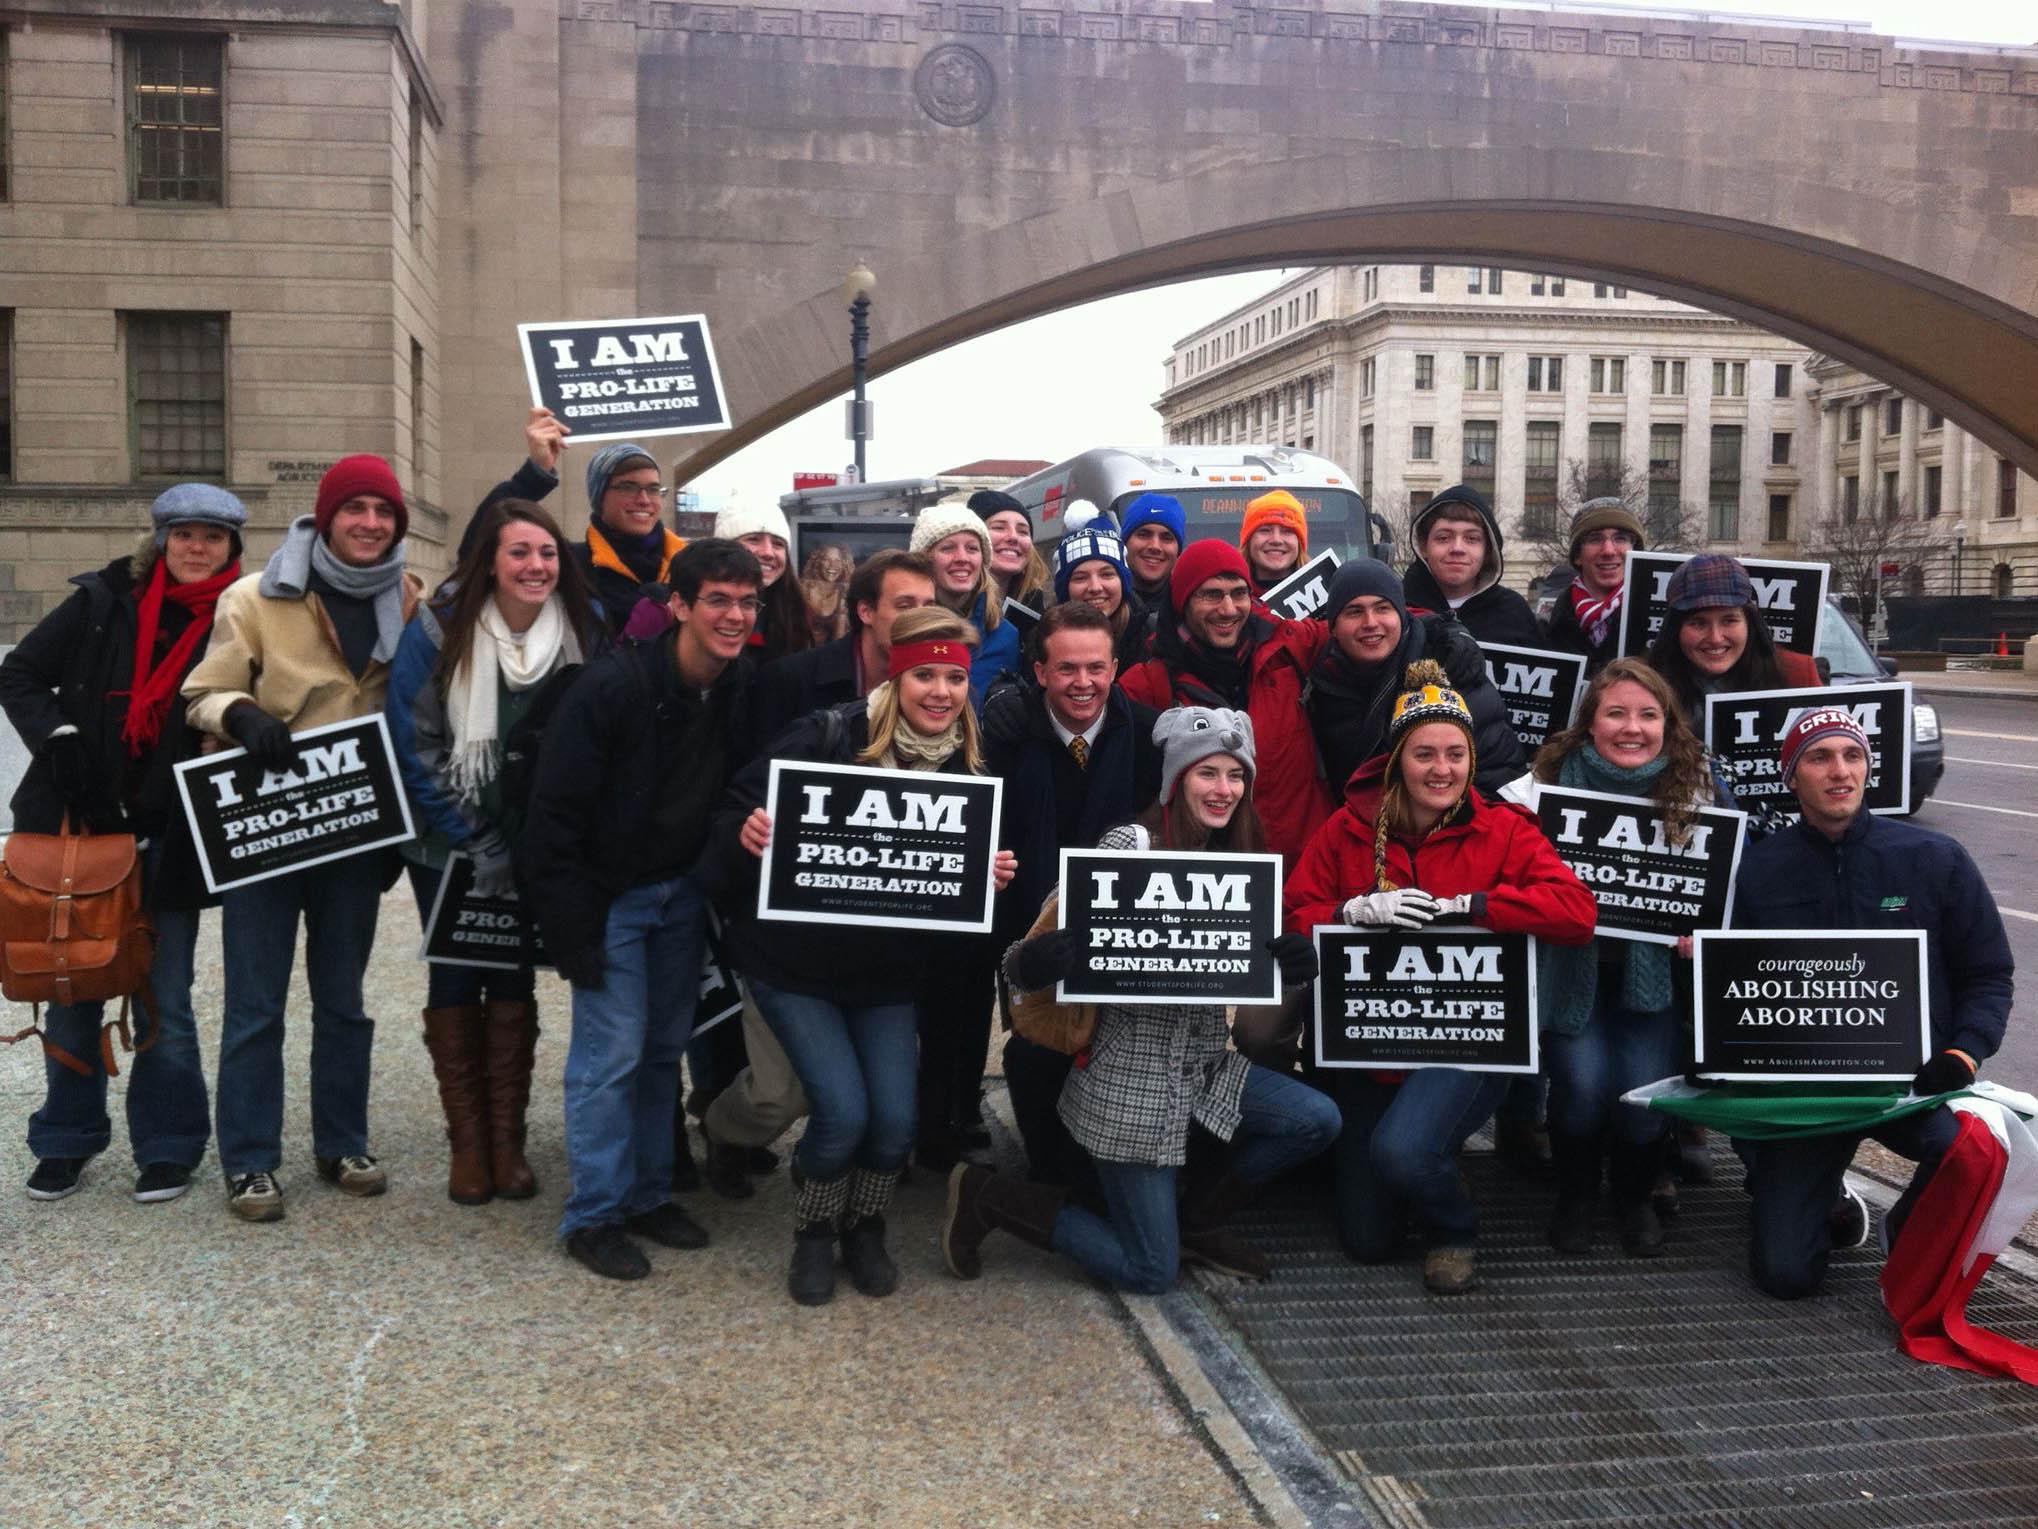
(797, 685)
(1885, 874)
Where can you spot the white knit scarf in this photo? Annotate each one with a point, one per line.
(494, 654)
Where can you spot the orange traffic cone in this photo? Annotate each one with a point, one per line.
(2002, 645)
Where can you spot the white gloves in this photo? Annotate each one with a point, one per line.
(1407, 908)
(1455, 907)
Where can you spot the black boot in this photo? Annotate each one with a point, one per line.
(1633, 1172)
(817, 1207)
(1206, 1207)
(727, 1167)
(871, 1269)
(1577, 1164)
(981, 1202)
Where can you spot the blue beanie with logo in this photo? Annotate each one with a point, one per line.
(1154, 510)
(1088, 546)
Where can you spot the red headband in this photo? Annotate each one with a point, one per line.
(933, 650)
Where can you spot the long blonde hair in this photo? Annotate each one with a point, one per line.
(1032, 584)
(929, 623)
(1686, 783)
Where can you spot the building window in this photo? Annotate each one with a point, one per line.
(1474, 276)
(417, 414)
(1933, 420)
(1666, 378)
(1729, 379)
(1366, 460)
(2003, 581)
(1294, 311)
(1889, 496)
(1482, 439)
(1666, 471)
(1536, 284)
(1602, 289)
(1779, 517)
(1782, 389)
(1426, 278)
(1539, 477)
(175, 126)
(1546, 374)
(1309, 392)
(1493, 280)
(1609, 374)
(1425, 373)
(1850, 499)
(1854, 422)
(2006, 489)
(1260, 330)
(1893, 417)
(1935, 479)
(1779, 448)
(176, 378)
(1723, 521)
(1422, 444)
(1308, 443)
(1366, 377)
(1602, 459)
(1477, 367)
(1556, 286)
(1417, 498)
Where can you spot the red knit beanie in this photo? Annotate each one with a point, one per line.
(1201, 561)
(363, 474)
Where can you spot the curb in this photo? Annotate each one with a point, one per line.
(1978, 692)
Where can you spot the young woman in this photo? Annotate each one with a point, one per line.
(474, 682)
(1151, 1071)
(784, 625)
(824, 581)
(840, 999)
(1715, 642)
(1090, 566)
(952, 535)
(92, 691)
(1609, 1016)
(1016, 563)
(1413, 843)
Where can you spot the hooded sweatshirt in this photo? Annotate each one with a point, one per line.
(1492, 612)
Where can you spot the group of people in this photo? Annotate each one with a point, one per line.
(591, 723)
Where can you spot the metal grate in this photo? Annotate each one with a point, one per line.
(1604, 1389)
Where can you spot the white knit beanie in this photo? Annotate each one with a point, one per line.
(940, 521)
(736, 519)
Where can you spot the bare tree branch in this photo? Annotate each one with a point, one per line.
(1880, 533)
(1546, 541)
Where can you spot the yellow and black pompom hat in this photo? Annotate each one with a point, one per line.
(1427, 696)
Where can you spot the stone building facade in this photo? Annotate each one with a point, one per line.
(219, 241)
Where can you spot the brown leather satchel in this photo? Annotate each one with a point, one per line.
(73, 930)
(1040, 1017)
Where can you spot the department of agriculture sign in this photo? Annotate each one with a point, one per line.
(623, 379)
(1445, 996)
(1811, 1005)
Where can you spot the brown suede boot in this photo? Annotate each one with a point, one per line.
(512, 1049)
(981, 1202)
(456, 1037)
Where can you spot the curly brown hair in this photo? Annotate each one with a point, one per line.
(1686, 782)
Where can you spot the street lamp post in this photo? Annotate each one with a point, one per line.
(856, 289)
(1959, 546)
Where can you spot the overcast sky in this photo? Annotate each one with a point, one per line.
(1088, 376)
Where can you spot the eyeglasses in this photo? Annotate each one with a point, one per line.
(638, 490)
(721, 605)
(1212, 598)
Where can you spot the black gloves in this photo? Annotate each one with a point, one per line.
(70, 769)
(586, 968)
(1943, 1074)
(266, 739)
(1297, 958)
(1042, 961)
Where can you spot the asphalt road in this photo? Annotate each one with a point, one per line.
(1989, 802)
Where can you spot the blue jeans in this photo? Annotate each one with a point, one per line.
(167, 1117)
(1398, 1157)
(1282, 1122)
(448, 987)
(1618, 1049)
(338, 902)
(859, 1067)
(622, 1060)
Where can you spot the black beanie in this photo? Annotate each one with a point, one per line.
(986, 502)
(1360, 577)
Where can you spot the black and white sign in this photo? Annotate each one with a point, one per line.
(1811, 1005)
(1792, 597)
(720, 997)
(1745, 732)
(1647, 888)
(1543, 689)
(1305, 591)
(462, 929)
(341, 797)
(904, 849)
(1168, 928)
(1445, 996)
(624, 379)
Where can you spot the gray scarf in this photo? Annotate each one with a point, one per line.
(287, 576)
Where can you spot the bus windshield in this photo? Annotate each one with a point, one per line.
(1336, 517)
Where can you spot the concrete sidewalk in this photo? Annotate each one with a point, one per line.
(1981, 684)
(405, 1361)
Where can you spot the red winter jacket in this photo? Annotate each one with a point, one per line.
(1288, 786)
(1497, 849)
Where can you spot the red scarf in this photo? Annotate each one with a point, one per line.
(1595, 613)
(148, 701)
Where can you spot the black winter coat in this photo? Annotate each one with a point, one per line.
(1565, 635)
(596, 790)
(67, 670)
(1495, 614)
(791, 687)
(1883, 874)
(1349, 712)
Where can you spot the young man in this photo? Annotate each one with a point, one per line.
(633, 763)
(1220, 652)
(1586, 617)
(305, 642)
(1457, 570)
(1274, 536)
(627, 544)
(1840, 867)
(1152, 528)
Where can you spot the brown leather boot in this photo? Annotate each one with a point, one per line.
(456, 1038)
(981, 1202)
(1204, 1237)
(512, 1048)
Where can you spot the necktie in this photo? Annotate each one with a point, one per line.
(1079, 751)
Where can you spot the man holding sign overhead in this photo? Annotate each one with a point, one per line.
(1840, 867)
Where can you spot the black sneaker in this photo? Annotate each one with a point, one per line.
(1847, 1221)
(668, 1226)
(606, 1251)
(161, 1181)
(361, 1176)
(255, 1197)
(55, 1177)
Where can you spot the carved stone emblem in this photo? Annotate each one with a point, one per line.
(955, 85)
